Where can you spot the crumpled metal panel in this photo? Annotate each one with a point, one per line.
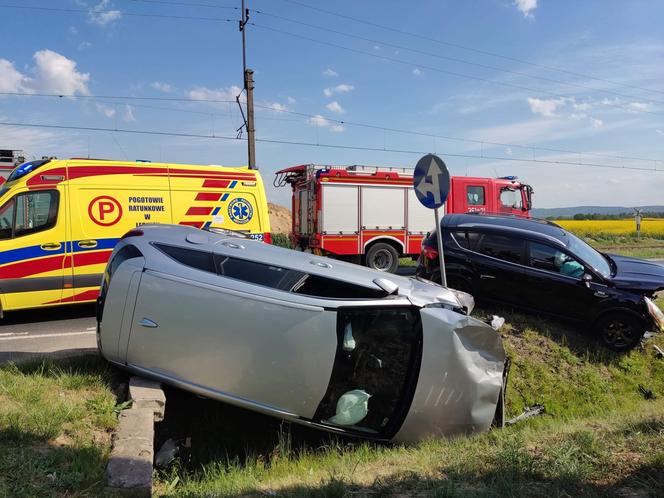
(460, 377)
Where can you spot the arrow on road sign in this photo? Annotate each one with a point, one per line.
(424, 187)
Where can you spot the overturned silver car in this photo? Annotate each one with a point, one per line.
(308, 339)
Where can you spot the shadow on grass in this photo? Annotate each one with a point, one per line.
(228, 435)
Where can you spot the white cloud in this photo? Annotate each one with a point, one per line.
(52, 73)
(337, 128)
(291, 100)
(129, 114)
(204, 93)
(102, 14)
(545, 107)
(55, 73)
(509, 151)
(162, 87)
(83, 45)
(72, 30)
(638, 106)
(106, 110)
(526, 7)
(376, 47)
(12, 80)
(583, 106)
(660, 132)
(318, 121)
(276, 106)
(335, 107)
(330, 73)
(343, 88)
(416, 71)
(596, 123)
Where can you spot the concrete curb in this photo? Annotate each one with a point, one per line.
(64, 354)
(130, 465)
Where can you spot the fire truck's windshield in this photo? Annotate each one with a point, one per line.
(511, 198)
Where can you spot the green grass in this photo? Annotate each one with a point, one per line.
(628, 245)
(598, 437)
(55, 424)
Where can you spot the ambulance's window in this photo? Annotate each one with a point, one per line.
(35, 211)
(196, 259)
(6, 219)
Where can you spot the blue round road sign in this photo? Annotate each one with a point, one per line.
(431, 181)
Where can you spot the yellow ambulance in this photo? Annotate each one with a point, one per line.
(60, 219)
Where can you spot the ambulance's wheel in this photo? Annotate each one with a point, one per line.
(382, 257)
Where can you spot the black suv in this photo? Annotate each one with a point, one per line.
(539, 266)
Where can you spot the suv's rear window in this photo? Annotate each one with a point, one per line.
(501, 247)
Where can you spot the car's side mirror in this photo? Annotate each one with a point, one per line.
(586, 279)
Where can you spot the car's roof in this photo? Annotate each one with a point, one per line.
(515, 225)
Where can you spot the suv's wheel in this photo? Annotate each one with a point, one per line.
(619, 331)
(383, 257)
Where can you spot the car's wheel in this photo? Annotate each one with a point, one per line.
(383, 257)
(619, 331)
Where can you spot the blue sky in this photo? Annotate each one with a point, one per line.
(610, 102)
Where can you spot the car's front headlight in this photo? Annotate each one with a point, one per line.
(655, 313)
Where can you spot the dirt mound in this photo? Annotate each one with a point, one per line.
(280, 218)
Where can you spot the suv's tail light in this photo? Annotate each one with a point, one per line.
(134, 232)
(429, 252)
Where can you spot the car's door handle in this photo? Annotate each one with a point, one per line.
(146, 322)
(87, 243)
(487, 277)
(601, 294)
(51, 246)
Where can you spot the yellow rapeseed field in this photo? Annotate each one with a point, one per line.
(650, 227)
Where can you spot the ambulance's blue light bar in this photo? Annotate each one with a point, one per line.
(510, 178)
(25, 168)
(143, 161)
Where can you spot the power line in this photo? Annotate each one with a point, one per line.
(480, 142)
(130, 14)
(444, 71)
(453, 59)
(470, 49)
(185, 4)
(324, 145)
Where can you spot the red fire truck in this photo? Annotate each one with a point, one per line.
(371, 214)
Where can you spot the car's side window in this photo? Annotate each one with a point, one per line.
(259, 273)
(467, 240)
(501, 247)
(201, 260)
(27, 213)
(461, 239)
(546, 257)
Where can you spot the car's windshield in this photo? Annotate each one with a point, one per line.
(589, 255)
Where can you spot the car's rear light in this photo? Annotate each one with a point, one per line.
(429, 252)
(134, 232)
(267, 238)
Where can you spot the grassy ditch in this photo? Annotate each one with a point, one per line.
(56, 419)
(599, 436)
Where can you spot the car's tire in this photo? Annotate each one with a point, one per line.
(619, 331)
(382, 257)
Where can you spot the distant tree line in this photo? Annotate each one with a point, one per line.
(620, 216)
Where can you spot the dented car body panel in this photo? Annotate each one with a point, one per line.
(311, 340)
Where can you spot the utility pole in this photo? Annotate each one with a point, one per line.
(248, 76)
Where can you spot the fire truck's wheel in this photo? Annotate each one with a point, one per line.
(383, 257)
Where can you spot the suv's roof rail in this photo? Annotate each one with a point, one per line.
(514, 217)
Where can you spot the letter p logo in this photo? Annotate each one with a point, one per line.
(105, 210)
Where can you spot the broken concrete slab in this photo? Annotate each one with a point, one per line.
(148, 394)
(130, 464)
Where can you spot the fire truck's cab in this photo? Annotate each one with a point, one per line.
(371, 214)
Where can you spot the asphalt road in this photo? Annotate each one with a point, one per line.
(58, 331)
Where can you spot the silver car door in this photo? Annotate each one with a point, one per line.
(460, 378)
(246, 349)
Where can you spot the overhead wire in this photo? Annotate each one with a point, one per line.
(469, 48)
(444, 71)
(325, 145)
(481, 142)
(449, 58)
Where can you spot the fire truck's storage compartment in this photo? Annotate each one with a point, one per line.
(383, 208)
(420, 219)
(340, 209)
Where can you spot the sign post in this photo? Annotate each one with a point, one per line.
(431, 181)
